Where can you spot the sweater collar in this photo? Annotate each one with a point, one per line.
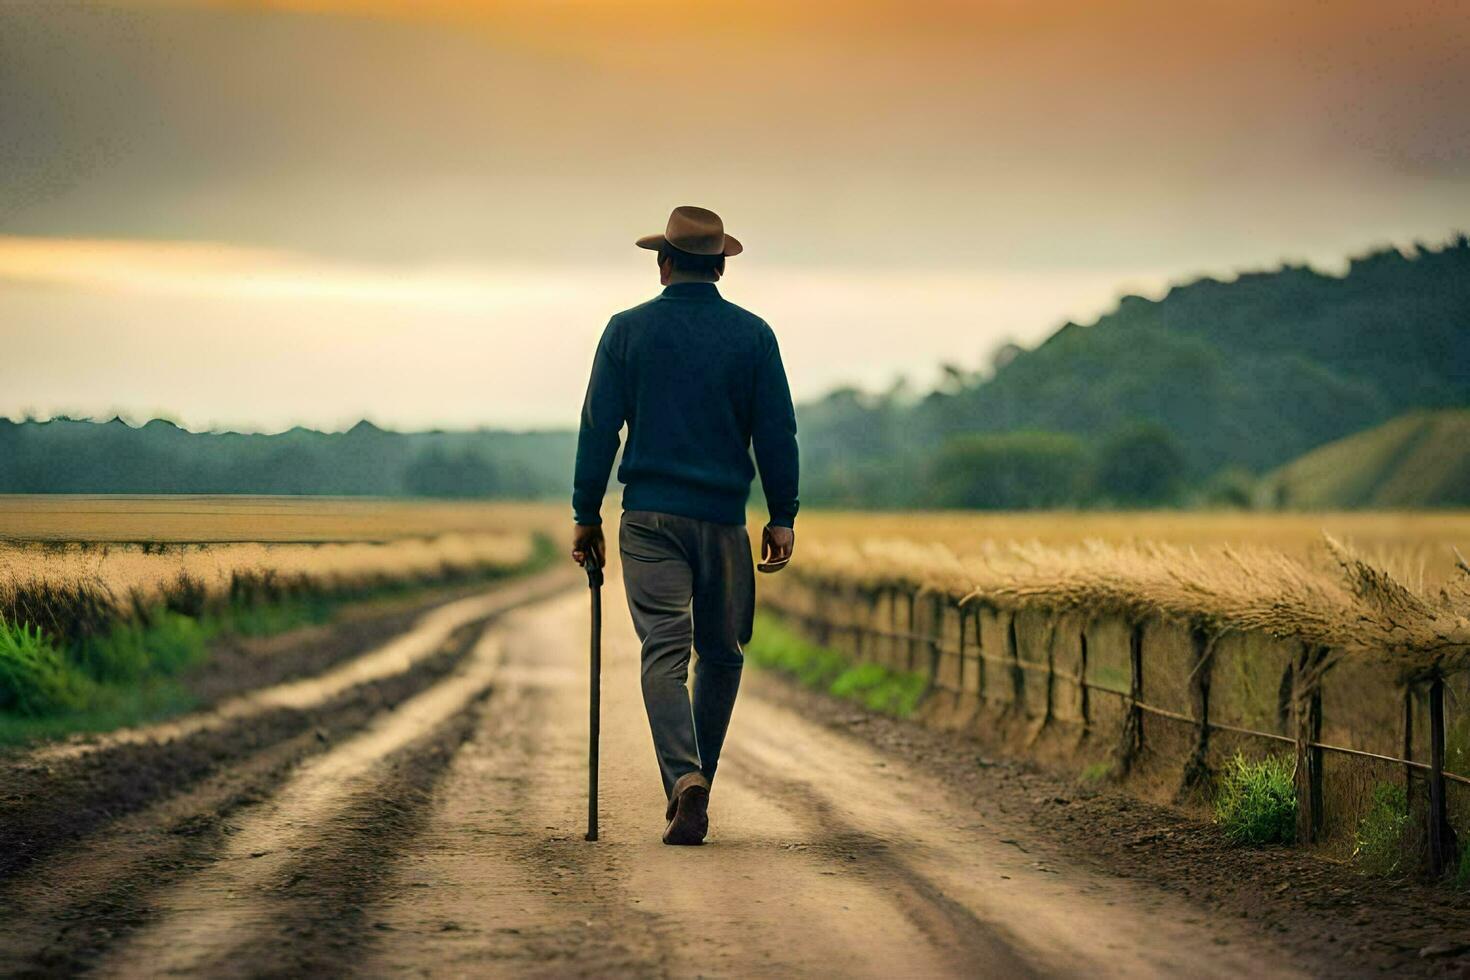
(692, 290)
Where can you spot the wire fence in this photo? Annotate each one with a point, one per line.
(942, 638)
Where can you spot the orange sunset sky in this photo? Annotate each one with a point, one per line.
(257, 214)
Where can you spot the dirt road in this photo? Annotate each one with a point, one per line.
(441, 833)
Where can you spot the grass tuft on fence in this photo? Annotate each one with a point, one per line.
(1255, 801)
(777, 647)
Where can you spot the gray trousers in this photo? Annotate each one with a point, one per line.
(690, 584)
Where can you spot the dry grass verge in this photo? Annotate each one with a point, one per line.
(1165, 663)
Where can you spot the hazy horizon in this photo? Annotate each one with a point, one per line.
(451, 292)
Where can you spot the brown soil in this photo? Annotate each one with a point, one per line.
(47, 805)
(238, 663)
(440, 832)
(1322, 909)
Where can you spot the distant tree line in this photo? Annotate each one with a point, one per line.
(72, 456)
(1185, 399)
(1141, 466)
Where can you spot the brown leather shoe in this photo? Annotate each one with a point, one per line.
(688, 812)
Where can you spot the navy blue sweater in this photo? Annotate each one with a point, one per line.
(698, 381)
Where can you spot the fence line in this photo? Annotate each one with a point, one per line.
(1307, 673)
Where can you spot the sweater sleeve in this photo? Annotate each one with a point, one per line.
(603, 414)
(773, 436)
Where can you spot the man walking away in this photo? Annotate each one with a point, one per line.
(699, 381)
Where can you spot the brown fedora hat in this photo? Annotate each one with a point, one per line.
(698, 231)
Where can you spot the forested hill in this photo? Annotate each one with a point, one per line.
(66, 456)
(1240, 375)
(1421, 459)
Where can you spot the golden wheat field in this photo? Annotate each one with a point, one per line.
(199, 519)
(1418, 546)
(136, 543)
(1380, 581)
(184, 518)
(139, 547)
(128, 570)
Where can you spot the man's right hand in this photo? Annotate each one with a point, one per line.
(587, 539)
(777, 544)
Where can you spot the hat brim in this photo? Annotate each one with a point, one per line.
(655, 242)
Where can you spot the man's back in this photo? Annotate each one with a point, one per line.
(698, 380)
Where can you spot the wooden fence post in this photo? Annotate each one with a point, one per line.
(911, 648)
(1307, 705)
(1442, 850)
(887, 610)
(1049, 712)
(1132, 743)
(936, 634)
(1084, 703)
(980, 667)
(1197, 770)
(1018, 676)
(897, 644)
(960, 672)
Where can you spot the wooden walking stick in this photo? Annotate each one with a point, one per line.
(594, 583)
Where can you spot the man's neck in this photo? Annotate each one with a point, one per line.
(682, 277)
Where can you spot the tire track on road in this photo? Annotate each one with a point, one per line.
(63, 911)
(966, 940)
(501, 882)
(239, 896)
(948, 861)
(320, 918)
(58, 794)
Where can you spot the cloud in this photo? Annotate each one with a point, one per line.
(1039, 133)
(227, 272)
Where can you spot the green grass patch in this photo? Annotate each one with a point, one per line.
(162, 645)
(1096, 772)
(118, 672)
(1256, 801)
(35, 676)
(1379, 842)
(126, 676)
(268, 620)
(107, 708)
(777, 647)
